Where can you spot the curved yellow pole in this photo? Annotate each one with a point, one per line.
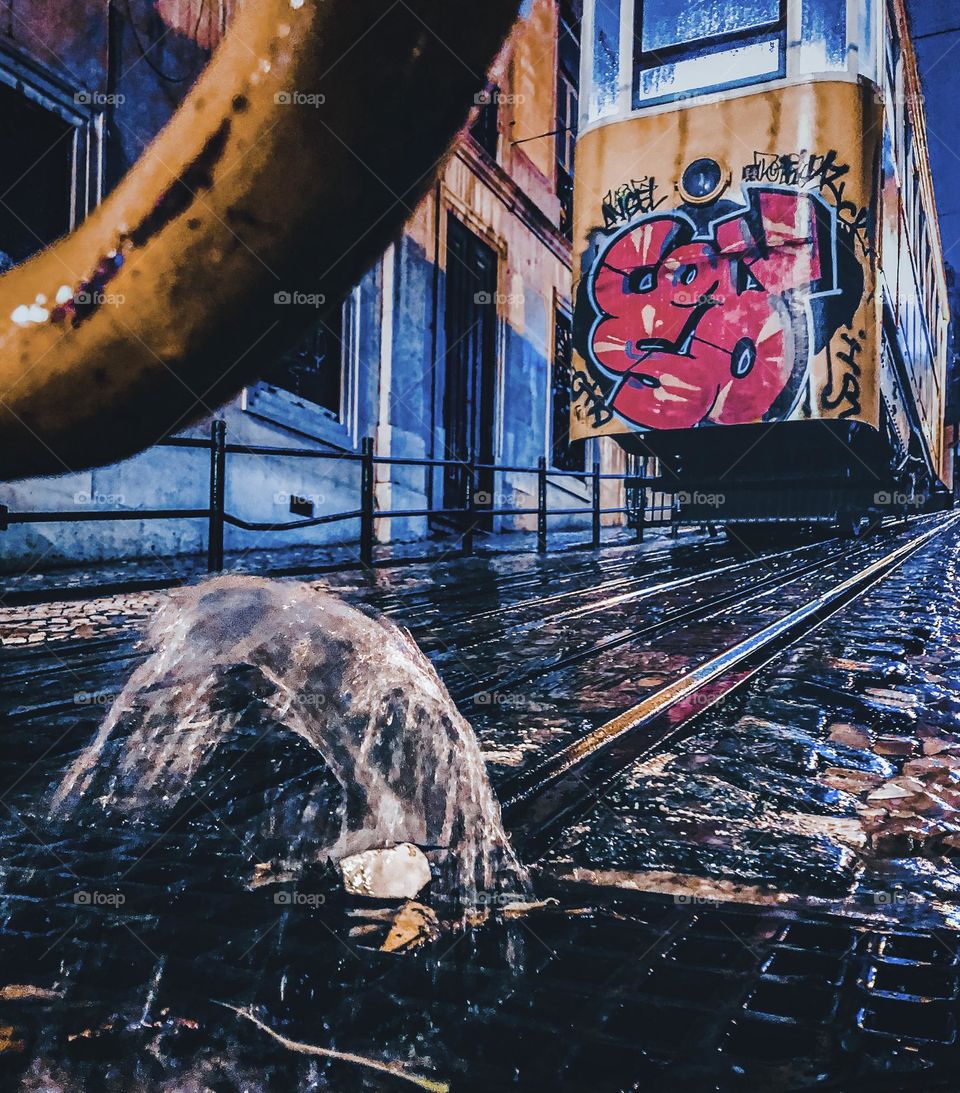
(299, 153)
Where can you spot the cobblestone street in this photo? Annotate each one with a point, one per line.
(790, 852)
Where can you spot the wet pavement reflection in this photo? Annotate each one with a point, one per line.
(770, 902)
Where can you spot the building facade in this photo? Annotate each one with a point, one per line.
(455, 346)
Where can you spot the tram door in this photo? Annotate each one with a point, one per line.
(470, 364)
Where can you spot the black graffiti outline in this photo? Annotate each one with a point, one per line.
(850, 390)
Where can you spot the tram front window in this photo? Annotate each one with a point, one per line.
(688, 46)
(676, 22)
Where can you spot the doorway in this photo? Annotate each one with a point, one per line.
(470, 367)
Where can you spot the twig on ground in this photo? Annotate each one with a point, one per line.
(395, 1069)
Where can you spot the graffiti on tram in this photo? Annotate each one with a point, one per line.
(712, 312)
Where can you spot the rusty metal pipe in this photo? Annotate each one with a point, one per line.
(302, 149)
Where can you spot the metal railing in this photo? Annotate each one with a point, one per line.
(468, 518)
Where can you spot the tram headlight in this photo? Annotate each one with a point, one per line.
(703, 181)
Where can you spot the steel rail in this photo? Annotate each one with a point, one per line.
(535, 802)
(698, 612)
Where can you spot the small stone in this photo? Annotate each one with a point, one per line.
(895, 745)
(391, 872)
(931, 766)
(891, 792)
(651, 681)
(912, 785)
(901, 838)
(851, 736)
(854, 782)
(936, 745)
(889, 697)
(26, 992)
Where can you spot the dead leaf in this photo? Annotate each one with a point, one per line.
(10, 1041)
(19, 992)
(414, 926)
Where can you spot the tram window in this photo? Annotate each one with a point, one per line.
(823, 33)
(602, 98)
(687, 46)
(568, 112)
(866, 57)
(666, 23)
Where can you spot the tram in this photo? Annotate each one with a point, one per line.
(760, 298)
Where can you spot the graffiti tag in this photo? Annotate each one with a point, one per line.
(638, 197)
(824, 172)
(596, 408)
(849, 391)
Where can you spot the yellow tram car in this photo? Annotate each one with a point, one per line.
(760, 297)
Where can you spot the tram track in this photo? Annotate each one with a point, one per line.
(88, 663)
(697, 612)
(558, 790)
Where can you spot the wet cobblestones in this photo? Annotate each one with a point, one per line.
(39, 624)
(426, 588)
(745, 890)
(847, 742)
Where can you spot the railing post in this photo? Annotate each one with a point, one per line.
(218, 469)
(470, 506)
(596, 504)
(542, 505)
(641, 513)
(366, 500)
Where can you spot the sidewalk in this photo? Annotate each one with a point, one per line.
(102, 599)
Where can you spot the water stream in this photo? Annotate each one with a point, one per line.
(304, 728)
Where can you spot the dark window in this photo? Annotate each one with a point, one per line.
(568, 108)
(484, 129)
(314, 370)
(36, 172)
(469, 366)
(686, 46)
(565, 454)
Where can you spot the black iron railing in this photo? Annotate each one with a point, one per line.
(467, 518)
